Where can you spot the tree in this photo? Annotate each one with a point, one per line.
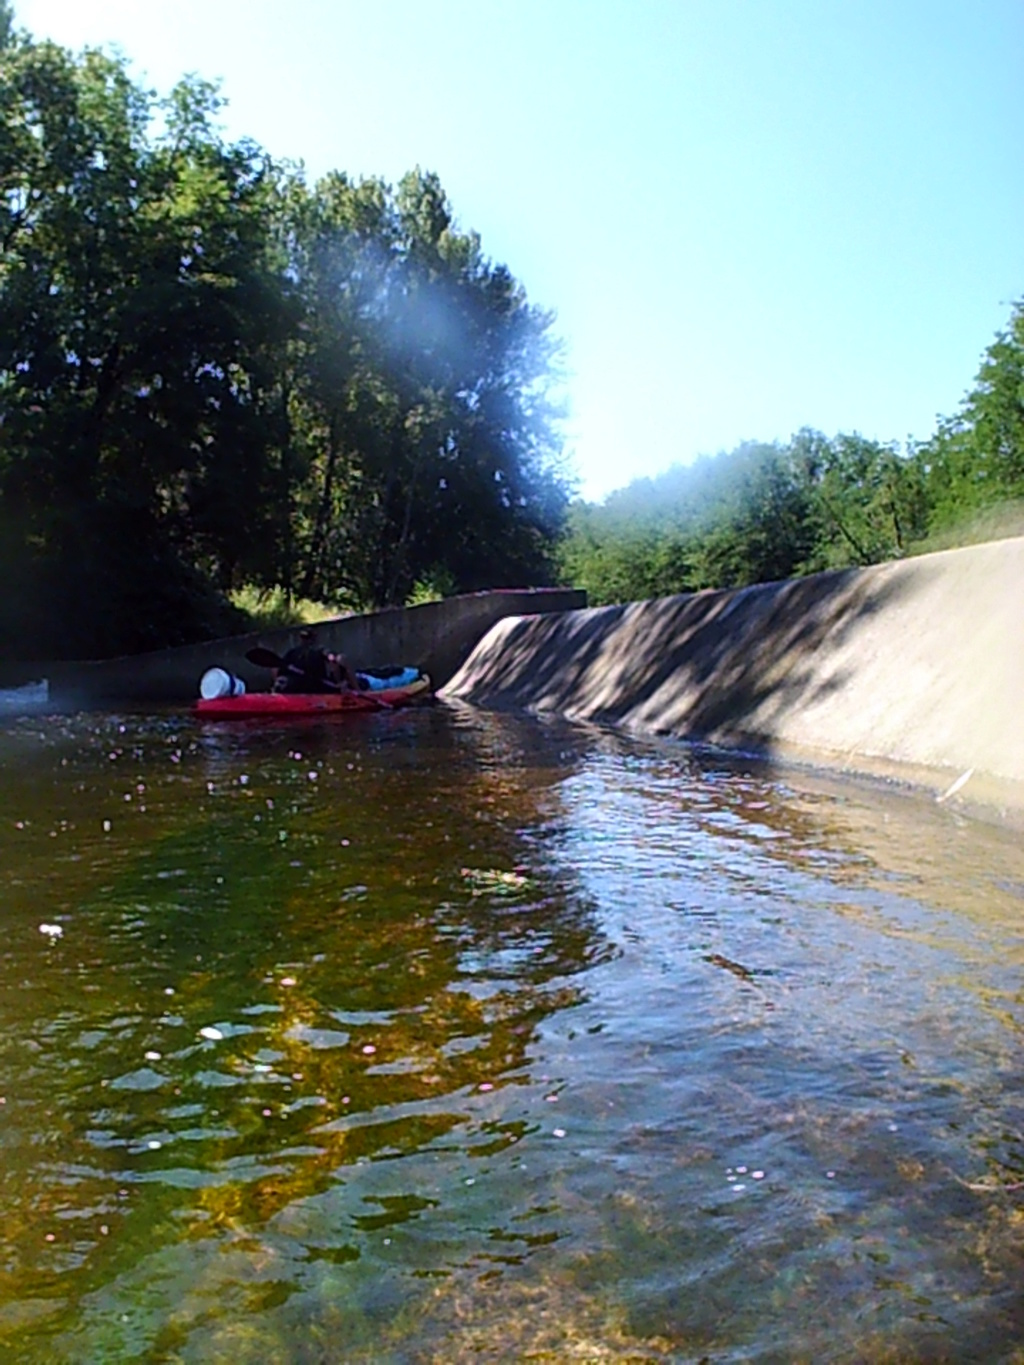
(425, 379)
(867, 502)
(138, 299)
(976, 458)
(213, 376)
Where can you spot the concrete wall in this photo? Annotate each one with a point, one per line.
(437, 636)
(910, 669)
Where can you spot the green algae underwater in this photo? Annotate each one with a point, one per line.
(444, 1035)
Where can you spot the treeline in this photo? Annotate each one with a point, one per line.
(771, 511)
(215, 376)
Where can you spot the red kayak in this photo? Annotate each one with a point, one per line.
(313, 704)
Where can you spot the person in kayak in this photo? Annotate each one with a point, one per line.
(308, 668)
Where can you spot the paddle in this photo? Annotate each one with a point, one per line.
(267, 658)
(263, 658)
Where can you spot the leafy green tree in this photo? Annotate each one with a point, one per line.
(425, 411)
(214, 377)
(138, 299)
(866, 501)
(975, 460)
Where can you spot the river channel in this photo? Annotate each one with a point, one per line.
(443, 1035)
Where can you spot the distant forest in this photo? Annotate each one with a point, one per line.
(222, 387)
(770, 511)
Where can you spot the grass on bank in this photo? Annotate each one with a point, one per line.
(274, 609)
(1004, 521)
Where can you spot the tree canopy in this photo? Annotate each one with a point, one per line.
(213, 374)
(975, 460)
(420, 399)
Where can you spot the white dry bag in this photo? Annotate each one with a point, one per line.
(218, 682)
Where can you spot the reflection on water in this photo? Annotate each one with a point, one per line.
(437, 1035)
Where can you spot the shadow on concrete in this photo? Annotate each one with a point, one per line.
(722, 667)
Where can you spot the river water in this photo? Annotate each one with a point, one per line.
(442, 1035)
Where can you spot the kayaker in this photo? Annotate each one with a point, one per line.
(308, 668)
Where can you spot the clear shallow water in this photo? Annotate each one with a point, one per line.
(442, 1035)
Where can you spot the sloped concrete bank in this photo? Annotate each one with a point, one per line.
(909, 670)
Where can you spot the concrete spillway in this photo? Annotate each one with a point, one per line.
(910, 669)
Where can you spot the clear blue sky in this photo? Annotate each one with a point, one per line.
(748, 215)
